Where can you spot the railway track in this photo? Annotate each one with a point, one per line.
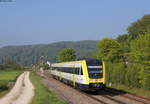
(129, 96)
(109, 96)
(94, 97)
(98, 97)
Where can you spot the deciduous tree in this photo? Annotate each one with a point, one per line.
(139, 27)
(67, 54)
(108, 49)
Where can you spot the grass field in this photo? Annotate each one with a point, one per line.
(137, 91)
(7, 76)
(42, 94)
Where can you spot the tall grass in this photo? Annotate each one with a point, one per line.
(42, 94)
(137, 91)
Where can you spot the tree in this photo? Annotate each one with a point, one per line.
(67, 54)
(45, 66)
(139, 27)
(9, 61)
(123, 38)
(118, 73)
(132, 75)
(108, 49)
(124, 41)
(144, 76)
(128, 57)
(140, 49)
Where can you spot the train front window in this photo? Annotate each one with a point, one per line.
(95, 71)
(94, 68)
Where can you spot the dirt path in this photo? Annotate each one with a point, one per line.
(21, 93)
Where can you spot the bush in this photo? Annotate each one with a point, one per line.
(116, 72)
(144, 76)
(132, 75)
(119, 73)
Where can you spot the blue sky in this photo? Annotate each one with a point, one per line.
(45, 21)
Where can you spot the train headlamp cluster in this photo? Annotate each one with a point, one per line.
(95, 85)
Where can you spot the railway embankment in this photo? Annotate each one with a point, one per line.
(75, 96)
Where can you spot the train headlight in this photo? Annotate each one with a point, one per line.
(96, 85)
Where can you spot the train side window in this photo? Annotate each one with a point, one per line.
(81, 71)
(53, 68)
(72, 70)
(69, 70)
(76, 71)
(59, 68)
(65, 70)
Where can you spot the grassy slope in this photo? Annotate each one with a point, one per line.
(137, 91)
(42, 94)
(6, 77)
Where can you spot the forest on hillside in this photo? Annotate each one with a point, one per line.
(30, 54)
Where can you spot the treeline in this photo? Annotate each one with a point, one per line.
(128, 56)
(30, 54)
(9, 64)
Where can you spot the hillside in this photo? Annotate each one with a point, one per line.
(30, 54)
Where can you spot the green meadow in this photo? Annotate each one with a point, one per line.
(7, 80)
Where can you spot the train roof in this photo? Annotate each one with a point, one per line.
(88, 60)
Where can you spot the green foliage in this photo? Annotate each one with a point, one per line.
(124, 41)
(144, 76)
(30, 54)
(139, 27)
(46, 66)
(128, 57)
(133, 90)
(108, 71)
(42, 94)
(67, 54)
(7, 76)
(132, 75)
(140, 48)
(115, 72)
(123, 38)
(141, 53)
(11, 67)
(108, 49)
(118, 73)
